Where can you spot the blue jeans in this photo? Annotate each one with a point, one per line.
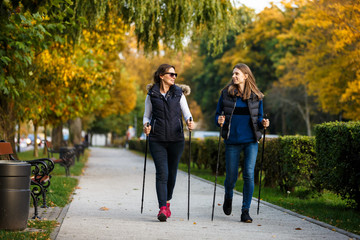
(232, 158)
(166, 157)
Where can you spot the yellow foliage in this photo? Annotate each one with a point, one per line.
(80, 80)
(351, 100)
(328, 56)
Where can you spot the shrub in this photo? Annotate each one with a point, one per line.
(197, 147)
(297, 162)
(270, 166)
(338, 152)
(138, 145)
(211, 146)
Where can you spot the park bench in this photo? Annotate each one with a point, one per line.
(39, 178)
(66, 156)
(80, 148)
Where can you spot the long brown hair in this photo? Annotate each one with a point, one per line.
(250, 84)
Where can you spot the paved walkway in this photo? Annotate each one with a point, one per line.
(107, 206)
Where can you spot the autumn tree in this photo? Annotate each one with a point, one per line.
(138, 66)
(268, 45)
(329, 59)
(64, 21)
(23, 34)
(208, 73)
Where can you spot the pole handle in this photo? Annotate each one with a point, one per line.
(190, 119)
(147, 125)
(222, 114)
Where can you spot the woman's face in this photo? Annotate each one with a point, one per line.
(238, 77)
(169, 77)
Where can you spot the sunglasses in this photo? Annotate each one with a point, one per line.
(171, 74)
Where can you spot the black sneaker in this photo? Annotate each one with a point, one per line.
(227, 206)
(245, 217)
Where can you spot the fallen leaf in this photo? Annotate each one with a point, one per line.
(219, 204)
(259, 225)
(78, 187)
(298, 229)
(104, 209)
(194, 223)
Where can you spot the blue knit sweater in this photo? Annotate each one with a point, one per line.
(240, 128)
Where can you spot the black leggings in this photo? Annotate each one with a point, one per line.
(166, 157)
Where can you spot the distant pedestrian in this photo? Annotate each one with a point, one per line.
(164, 106)
(241, 101)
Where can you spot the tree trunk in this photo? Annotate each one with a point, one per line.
(90, 142)
(18, 137)
(283, 121)
(57, 137)
(307, 114)
(8, 119)
(75, 131)
(36, 147)
(45, 139)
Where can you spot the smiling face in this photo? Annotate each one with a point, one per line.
(238, 77)
(169, 77)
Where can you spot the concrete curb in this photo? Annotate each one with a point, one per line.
(322, 224)
(60, 220)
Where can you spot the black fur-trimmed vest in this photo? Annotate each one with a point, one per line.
(166, 121)
(229, 103)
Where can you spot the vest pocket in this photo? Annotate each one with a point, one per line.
(181, 129)
(153, 127)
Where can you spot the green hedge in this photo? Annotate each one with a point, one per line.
(338, 153)
(329, 161)
(138, 145)
(285, 160)
(289, 162)
(204, 154)
(297, 162)
(270, 167)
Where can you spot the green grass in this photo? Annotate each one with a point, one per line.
(60, 190)
(75, 170)
(36, 229)
(327, 207)
(61, 186)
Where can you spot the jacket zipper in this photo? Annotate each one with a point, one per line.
(232, 112)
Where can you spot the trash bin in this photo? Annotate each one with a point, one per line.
(14, 194)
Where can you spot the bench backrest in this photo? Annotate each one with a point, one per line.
(49, 148)
(48, 144)
(5, 148)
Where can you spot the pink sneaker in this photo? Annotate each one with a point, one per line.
(168, 212)
(162, 216)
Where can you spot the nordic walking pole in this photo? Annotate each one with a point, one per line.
(146, 147)
(262, 158)
(217, 169)
(188, 212)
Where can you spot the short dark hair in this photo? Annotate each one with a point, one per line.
(163, 68)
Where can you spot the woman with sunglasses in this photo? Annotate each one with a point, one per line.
(242, 105)
(165, 104)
